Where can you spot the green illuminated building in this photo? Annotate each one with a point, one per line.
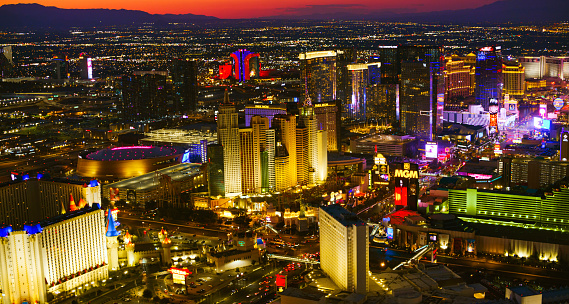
(548, 210)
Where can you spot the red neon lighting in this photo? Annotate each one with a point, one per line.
(401, 196)
(236, 65)
(225, 71)
(281, 280)
(179, 271)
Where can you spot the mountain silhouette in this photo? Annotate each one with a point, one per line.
(44, 17)
(504, 11)
(36, 16)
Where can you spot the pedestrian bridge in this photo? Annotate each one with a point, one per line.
(291, 258)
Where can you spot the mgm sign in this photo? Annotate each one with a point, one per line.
(406, 183)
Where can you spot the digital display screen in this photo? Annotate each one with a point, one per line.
(540, 123)
(537, 122)
(431, 150)
(89, 69)
(546, 124)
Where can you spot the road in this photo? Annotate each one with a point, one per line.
(170, 227)
(251, 286)
(393, 257)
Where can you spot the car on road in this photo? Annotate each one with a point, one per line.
(201, 290)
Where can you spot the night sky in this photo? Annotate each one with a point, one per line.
(264, 8)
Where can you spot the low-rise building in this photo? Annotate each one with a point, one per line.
(388, 145)
(244, 254)
(164, 184)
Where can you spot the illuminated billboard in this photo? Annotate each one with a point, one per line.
(537, 122)
(281, 282)
(179, 275)
(546, 124)
(114, 194)
(564, 146)
(431, 150)
(89, 69)
(542, 110)
(406, 182)
(558, 103)
(540, 123)
(401, 196)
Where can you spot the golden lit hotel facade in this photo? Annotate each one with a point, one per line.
(63, 254)
(344, 248)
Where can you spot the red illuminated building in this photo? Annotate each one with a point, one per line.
(245, 65)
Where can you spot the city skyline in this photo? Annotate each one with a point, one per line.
(190, 159)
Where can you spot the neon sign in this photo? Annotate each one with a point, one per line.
(131, 147)
(179, 271)
(406, 173)
(179, 275)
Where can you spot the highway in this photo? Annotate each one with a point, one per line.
(393, 257)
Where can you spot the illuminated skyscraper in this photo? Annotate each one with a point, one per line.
(456, 78)
(144, 96)
(344, 57)
(269, 178)
(489, 77)
(263, 110)
(344, 248)
(7, 53)
(228, 136)
(309, 121)
(383, 104)
(302, 177)
(185, 85)
(359, 80)
(6, 62)
(86, 65)
(322, 155)
(282, 167)
(388, 56)
(318, 70)
(514, 79)
(215, 167)
(248, 177)
(420, 71)
(246, 65)
(285, 133)
(259, 126)
(60, 67)
(328, 119)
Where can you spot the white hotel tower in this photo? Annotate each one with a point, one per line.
(61, 254)
(228, 137)
(344, 248)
